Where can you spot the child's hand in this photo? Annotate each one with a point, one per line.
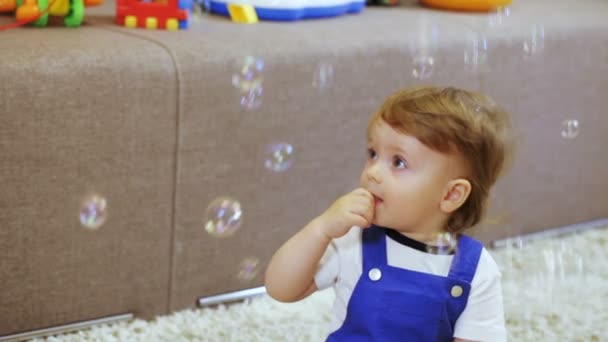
(353, 209)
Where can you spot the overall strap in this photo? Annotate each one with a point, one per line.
(464, 263)
(373, 241)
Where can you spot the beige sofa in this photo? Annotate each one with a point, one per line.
(150, 120)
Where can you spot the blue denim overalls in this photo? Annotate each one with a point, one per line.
(395, 304)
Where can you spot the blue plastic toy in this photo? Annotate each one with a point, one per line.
(291, 10)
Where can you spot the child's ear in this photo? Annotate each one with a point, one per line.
(457, 192)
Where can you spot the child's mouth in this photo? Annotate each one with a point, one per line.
(377, 200)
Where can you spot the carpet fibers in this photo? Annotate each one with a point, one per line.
(554, 290)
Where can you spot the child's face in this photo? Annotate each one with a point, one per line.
(408, 179)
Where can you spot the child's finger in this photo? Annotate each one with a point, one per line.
(360, 221)
(364, 193)
(364, 210)
(366, 202)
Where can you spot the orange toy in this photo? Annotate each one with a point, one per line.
(38, 11)
(467, 5)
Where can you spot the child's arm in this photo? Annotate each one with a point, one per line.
(290, 273)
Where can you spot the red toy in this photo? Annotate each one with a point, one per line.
(154, 14)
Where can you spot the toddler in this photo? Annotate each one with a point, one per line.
(394, 249)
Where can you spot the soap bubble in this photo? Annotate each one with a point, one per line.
(422, 67)
(534, 41)
(247, 80)
(249, 74)
(279, 157)
(224, 217)
(561, 260)
(511, 263)
(252, 99)
(93, 212)
(514, 243)
(570, 129)
(499, 16)
(197, 11)
(423, 45)
(476, 52)
(443, 243)
(248, 268)
(323, 76)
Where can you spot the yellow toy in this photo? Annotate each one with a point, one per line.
(38, 11)
(243, 14)
(467, 5)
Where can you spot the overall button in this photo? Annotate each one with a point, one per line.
(456, 291)
(375, 274)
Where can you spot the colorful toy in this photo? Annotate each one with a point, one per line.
(154, 14)
(37, 11)
(291, 10)
(467, 5)
(244, 14)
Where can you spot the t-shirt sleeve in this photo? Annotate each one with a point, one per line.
(483, 317)
(327, 272)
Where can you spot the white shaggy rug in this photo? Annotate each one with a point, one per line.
(555, 290)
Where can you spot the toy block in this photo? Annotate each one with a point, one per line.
(151, 23)
(172, 24)
(131, 21)
(242, 13)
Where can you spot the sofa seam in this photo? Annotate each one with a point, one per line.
(178, 104)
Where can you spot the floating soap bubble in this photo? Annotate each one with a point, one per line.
(248, 269)
(499, 16)
(249, 74)
(423, 45)
(224, 217)
(323, 76)
(476, 52)
(252, 99)
(197, 11)
(93, 212)
(443, 243)
(570, 129)
(247, 80)
(422, 67)
(515, 243)
(561, 260)
(279, 157)
(534, 41)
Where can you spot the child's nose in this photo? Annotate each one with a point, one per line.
(373, 173)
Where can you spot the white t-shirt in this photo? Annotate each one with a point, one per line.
(483, 316)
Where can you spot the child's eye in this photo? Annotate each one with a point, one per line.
(371, 153)
(399, 162)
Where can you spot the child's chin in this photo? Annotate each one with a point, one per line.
(376, 221)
